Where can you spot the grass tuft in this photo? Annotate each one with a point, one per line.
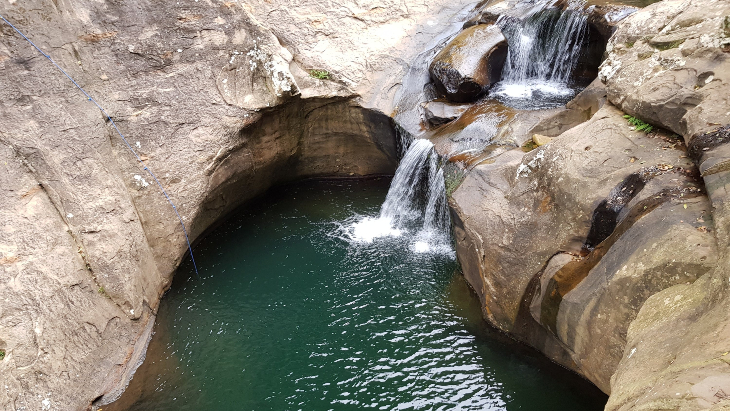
(320, 74)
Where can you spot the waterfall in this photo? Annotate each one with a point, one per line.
(544, 48)
(415, 204)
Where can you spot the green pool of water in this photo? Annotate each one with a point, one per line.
(289, 315)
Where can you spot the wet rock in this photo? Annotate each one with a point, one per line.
(470, 63)
(578, 110)
(441, 112)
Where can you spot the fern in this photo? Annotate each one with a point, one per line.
(639, 124)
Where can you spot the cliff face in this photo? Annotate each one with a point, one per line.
(607, 247)
(217, 103)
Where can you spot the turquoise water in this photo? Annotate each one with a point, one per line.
(289, 314)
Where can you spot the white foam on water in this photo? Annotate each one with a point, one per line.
(415, 206)
(421, 247)
(528, 89)
(368, 229)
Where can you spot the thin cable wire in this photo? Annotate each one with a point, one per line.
(182, 224)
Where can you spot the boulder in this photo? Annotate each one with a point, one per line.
(565, 243)
(668, 64)
(470, 63)
(439, 112)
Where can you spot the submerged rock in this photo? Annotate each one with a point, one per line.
(470, 63)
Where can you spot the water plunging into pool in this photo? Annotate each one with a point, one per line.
(415, 206)
(544, 48)
(292, 313)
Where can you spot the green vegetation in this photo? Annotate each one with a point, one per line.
(529, 146)
(101, 290)
(668, 46)
(320, 74)
(639, 124)
(630, 44)
(2, 355)
(453, 176)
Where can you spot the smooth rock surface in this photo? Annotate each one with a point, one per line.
(470, 63)
(441, 112)
(669, 64)
(558, 273)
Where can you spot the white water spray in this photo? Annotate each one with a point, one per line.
(415, 205)
(544, 48)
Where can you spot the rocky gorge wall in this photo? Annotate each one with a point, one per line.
(217, 104)
(605, 248)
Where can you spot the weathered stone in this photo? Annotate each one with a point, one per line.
(555, 270)
(470, 63)
(667, 65)
(441, 112)
(541, 140)
(217, 100)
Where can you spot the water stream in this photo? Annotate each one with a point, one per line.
(544, 48)
(291, 314)
(415, 207)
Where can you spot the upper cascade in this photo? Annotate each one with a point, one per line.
(544, 49)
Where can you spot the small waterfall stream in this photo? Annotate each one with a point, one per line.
(415, 205)
(544, 48)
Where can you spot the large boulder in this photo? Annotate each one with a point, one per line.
(669, 64)
(564, 244)
(470, 63)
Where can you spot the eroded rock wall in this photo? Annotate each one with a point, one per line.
(607, 247)
(217, 103)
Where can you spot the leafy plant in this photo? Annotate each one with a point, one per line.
(453, 176)
(639, 124)
(2, 355)
(320, 74)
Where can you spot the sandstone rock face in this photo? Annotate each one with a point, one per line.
(668, 64)
(470, 63)
(607, 248)
(216, 99)
(564, 244)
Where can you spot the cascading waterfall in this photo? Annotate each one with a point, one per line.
(544, 49)
(415, 204)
